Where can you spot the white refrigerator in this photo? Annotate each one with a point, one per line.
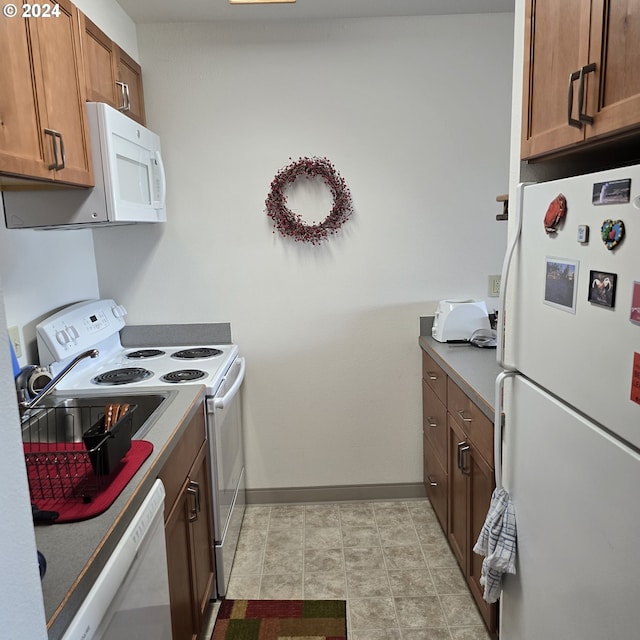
(571, 408)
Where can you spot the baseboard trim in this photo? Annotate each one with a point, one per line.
(342, 493)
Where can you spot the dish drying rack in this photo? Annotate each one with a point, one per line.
(65, 459)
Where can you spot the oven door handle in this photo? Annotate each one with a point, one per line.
(222, 402)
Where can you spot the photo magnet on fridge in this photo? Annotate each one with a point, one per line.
(602, 288)
(635, 379)
(612, 192)
(561, 278)
(583, 233)
(634, 316)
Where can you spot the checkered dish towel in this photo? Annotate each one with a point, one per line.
(497, 542)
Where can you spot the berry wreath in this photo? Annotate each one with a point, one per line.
(290, 224)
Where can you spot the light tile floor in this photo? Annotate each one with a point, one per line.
(389, 560)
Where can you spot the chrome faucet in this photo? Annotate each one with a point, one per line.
(28, 404)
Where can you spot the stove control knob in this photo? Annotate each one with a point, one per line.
(73, 332)
(62, 337)
(119, 311)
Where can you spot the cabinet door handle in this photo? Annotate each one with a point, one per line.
(463, 448)
(52, 133)
(196, 486)
(128, 97)
(582, 116)
(55, 136)
(193, 512)
(123, 93)
(463, 417)
(572, 122)
(431, 422)
(432, 376)
(460, 445)
(62, 164)
(432, 482)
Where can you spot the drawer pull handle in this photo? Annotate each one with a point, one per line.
(461, 414)
(432, 482)
(431, 422)
(432, 376)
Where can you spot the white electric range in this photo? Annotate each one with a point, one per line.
(96, 324)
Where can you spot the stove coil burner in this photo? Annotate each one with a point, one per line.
(183, 375)
(145, 353)
(122, 376)
(195, 353)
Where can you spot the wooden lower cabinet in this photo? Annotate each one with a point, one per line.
(481, 486)
(458, 471)
(471, 483)
(188, 530)
(436, 483)
(434, 427)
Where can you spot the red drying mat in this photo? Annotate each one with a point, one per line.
(105, 489)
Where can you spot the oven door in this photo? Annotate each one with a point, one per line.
(224, 422)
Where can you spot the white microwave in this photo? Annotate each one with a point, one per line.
(130, 185)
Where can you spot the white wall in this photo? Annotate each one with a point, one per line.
(414, 113)
(42, 271)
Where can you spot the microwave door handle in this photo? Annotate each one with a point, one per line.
(221, 403)
(163, 181)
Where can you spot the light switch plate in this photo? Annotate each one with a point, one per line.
(494, 286)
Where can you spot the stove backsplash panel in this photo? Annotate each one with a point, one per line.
(177, 335)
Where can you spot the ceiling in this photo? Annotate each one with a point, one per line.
(146, 11)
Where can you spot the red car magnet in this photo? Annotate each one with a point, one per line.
(555, 213)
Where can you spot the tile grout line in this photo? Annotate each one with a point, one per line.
(426, 562)
(386, 567)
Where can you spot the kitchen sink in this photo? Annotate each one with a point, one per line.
(65, 420)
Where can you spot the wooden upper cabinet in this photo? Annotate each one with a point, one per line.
(556, 44)
(130, 79)
(581, 82)
(43, 124)
(112, 75)
(21, 132)
(98, 52)
(614, 95)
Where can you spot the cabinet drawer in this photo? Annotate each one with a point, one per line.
(435, 377)
(434, 423)
(177, 467)
(435, 482)
(477, 427)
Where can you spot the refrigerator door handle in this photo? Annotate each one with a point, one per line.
(506, 267)
(498, 424)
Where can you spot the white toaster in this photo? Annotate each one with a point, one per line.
(456, 320)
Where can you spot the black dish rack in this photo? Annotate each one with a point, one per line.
(65, 459)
